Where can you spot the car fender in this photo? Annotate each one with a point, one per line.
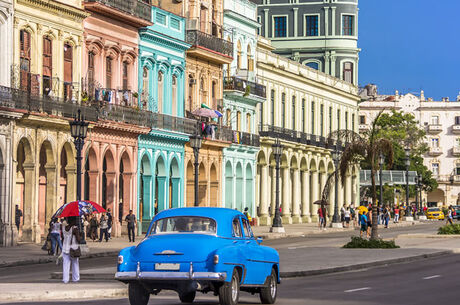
(127, 264)
(231, 257)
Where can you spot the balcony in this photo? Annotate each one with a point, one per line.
(456, 151)
(435, 151)
(246, 138)
(244, 88)
(456, 129)
(434, 128)
(136, 13)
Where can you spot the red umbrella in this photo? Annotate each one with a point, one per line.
(78, 208)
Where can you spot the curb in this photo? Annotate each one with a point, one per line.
(292, 274)
(428, 236)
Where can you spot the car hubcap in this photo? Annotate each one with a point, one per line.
(234, 290)
(273, 287)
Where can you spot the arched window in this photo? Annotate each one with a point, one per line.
(145, 87)
(108, 72)
(24, 61)
(191, 82)
(228, 115)
(348, 72)
(238, 56)
(313, 65)
(250, 60)
(91, 56)
(174, 96)
(248, 123)
(160, 91)
(125, 75)
(68, 71)
(238, 121)
(47, 64)
(213, 94)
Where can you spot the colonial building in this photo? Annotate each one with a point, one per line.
(441, 121)
(320, 34)
(6, 36)
(241, 96)
(162, 90)
(302, 107)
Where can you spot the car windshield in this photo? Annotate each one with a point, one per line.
(184, 224)
(434, 210)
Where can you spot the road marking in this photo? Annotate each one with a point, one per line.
(431, 277)
(358, 289)
(294, 248)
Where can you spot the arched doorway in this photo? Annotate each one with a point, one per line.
(202, 185)
(249, 189)
(67, 180)
(314, 190)
(214, 186)
(46, 186)
(239, 186)
(229, 191)
(174, 184)
(190, 185)
(434, 198)
(146, 209)
(108, 180)
(90, 178)
(124, 186)
(160, 184)
(294, 187)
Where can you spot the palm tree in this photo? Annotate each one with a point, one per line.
(363, 148)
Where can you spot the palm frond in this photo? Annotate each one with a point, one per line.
(350, 154)
(327, 187)
(385, 147)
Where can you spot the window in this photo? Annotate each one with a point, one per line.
(348, 22)
(237, 228)
(313, 65)
(161, 18)
(248, 123)
(175, 24)
(435, 169)
(338, 119)
(125, 75)
(108, 72)
(434, 142)
(283, 110)
(280, 26)
(24, 59)
(174, 95)
(250, 59)
(303, 115)
(330, 119)
(68, 71)
(259, 30)
(189, 224)
(312, 25)
(91, 67)
(362, 119)
(346, 120)
(312, 117)
(457, 120)
(47, 64)
(293, 113)
(238, 121)
(229, 117)
(160, 92)
(145, 87)
(435, 120)
(348, 72)
(457, 169)
(272, 107)
(321, 120)
(238, 55)
(247, 229)
(261, 120)
(213, 94)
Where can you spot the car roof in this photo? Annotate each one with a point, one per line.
(222, 216)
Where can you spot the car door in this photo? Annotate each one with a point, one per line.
(256, 265)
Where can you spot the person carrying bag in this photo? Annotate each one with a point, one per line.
(71, 251)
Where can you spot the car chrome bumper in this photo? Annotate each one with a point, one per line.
(152, 275)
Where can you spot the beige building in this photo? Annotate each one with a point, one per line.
(441, 121)
(303, 107)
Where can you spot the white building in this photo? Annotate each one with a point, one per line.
(6, 38)
(441, 121)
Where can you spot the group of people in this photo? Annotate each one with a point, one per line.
(104, 223)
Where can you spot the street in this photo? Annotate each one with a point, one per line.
(427, 282)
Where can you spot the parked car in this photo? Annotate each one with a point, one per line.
(199, 249)
(456, 215)
(434, 213)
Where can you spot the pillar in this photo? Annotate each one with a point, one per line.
(175, 192)
(264, 218)
(348, 191)
(285, 197)
(314, 195)
(147, 209)
(30, 218)
(72, 183)
(51, 200)
(306, 197)
(273, 192)
(161, 193)
(296, 198)
(93, 185)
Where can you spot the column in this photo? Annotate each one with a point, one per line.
(161, 193)
(93, 185)
(340, 194)
(314, 195)
(285, 197)
(273, 192)
(175, 192)
(333, 20)
(147, 209)
(264, 219)
(266, 23)
(326, 21)
(111, 199)
(296, 11)
(51, 200)
(296, 198)
(72, 183)
(348, 191)
(306, 197)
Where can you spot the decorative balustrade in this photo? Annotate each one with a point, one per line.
(198, 38)
(242, 85)
(134, 7)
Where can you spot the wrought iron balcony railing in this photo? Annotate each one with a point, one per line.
(198, 38)
(134, 7)
(242, 85)
(246, 138)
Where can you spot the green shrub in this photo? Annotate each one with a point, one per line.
(358, 242)
(449, 229)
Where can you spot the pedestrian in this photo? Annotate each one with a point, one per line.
(17, 216)
(347, 217)
(363, 222)
(342, 215)
(109, 223)
(369, 222)
(71, 251)
(449, 216)
(386, 216)
(56, 231)
(93, 224)
(324, 211)
(131, 220)
(248, 216)
(396, 211)
(104, 227)
(320, 218)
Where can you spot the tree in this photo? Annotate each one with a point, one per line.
(364, 148)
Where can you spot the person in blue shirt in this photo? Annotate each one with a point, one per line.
(363, 221)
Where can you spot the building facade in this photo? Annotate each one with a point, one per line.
(303, 107)
(6, 36)
(441, 122)
(162, 86)
(320, 34)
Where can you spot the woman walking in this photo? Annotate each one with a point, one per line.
(71, 251)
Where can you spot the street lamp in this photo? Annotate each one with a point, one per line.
(336, 219)
(419, 184)
(407, 160)
(416, 196)
(277, 226)
(381, 161)
(195, 143)
(78, 130)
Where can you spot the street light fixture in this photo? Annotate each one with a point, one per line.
(195, 143)
(78, 130)
(335, 218)
(277, 226)
(381, 162)
(407, 160)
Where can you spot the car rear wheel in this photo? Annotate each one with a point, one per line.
(138, 295)
(187, 297)
(229, 293)
(268, 294)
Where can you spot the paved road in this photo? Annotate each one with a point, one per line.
(427, 282)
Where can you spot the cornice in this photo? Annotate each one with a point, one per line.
(163, 40)
(56, 7)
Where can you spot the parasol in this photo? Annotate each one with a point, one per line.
(204, 112)
(78, 208)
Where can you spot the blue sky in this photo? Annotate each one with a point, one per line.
(409, 45)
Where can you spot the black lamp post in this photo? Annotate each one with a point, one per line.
(78, 130)
(416, 195)
(419, 184)
(407, 151)
(335, 218)
(195, 143)
(381, 161)
(277, 224)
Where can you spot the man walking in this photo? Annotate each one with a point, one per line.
(17, 216)
(104, 226)
(55, 230)
(109, 223)
(131, 220)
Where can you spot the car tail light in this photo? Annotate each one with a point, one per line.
(216, 259)
(120, 259)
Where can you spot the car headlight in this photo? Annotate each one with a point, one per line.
(216, 259)
(120, 259)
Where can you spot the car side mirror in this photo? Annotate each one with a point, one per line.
(259, 240)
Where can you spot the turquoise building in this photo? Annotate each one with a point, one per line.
(161, 90)
(242, 94)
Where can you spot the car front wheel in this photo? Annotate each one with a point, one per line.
(268, 294)
(229, 293)
(187, 297)
(137, 294)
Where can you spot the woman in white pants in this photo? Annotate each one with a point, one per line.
(71, 240)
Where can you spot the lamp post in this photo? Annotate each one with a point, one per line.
(195, 143)
(408, 208)
(420, 184)
(277, 226)
(416, 196)
(336, 218)
(381, 161)
(78, 130)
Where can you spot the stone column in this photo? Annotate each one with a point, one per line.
(93, 185)
(296, 198)
(285, 197)
(306, 197)
(340, 195)
(348, 191)
(72, 183)
(51, 198)
(111, 201)
(273, 192)
(30, 218)
(264, 219)
(161, 193)
(175, 192)
(296, 12)
(314, 195)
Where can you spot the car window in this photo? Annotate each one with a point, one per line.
(237, 227)
(434, 209)
(184, 224)
(247, 228)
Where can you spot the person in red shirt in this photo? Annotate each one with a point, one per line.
(321, 218)
(396, 210)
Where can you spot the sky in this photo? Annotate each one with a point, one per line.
(410, 45)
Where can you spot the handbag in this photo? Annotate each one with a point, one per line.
(74, 253)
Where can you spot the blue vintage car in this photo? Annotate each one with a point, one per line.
(199, 249)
